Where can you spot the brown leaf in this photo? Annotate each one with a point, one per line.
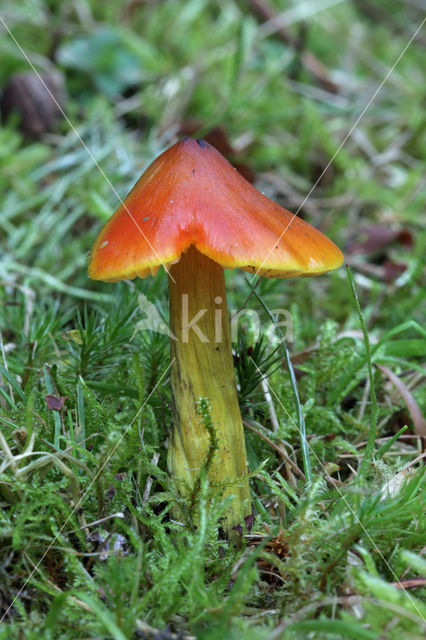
(393, 270)
(38, 100)
(279, 547)
(56, 403)
(249, 520)
(374, 238)
(412, 406)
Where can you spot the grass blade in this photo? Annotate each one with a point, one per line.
(369, 450)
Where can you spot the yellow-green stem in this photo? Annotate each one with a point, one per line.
(203, 368)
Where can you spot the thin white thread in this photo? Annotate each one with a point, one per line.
(342, 143)
(342, 496)
(79, 138)
(82, 497)
(140, 230)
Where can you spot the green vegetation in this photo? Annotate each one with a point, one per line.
(89, 547)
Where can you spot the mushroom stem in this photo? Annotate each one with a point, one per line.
(202, 367)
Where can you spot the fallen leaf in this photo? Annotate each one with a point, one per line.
(38, 100)
(249, 520)
(56, 403)
(393, 270)
(374, 238)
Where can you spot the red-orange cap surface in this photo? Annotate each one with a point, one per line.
(191, 195)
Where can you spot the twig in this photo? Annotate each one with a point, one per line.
(409, 464)
(263, 10)
(280, 449)
(268, 398)
(149, 480)
(410, 583)
(412, 406)
(119, 514)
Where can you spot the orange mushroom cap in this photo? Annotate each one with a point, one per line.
(191, 195)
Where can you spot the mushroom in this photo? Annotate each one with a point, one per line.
(193, 213)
